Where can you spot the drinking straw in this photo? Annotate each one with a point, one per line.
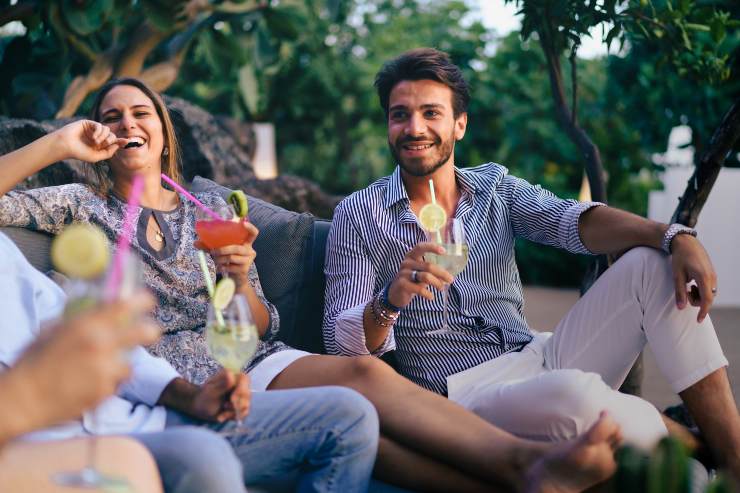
(209, 285)
(123, 244)
(190, 197)
(206, 274)
(434, 201)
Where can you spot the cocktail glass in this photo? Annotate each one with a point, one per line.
(452, 235)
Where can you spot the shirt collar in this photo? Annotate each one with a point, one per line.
(396, 190)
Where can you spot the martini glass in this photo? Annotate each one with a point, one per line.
(454, 260)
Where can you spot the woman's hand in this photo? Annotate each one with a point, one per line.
(236, 260)
(88, 141)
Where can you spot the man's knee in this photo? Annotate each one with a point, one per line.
(577, 397)
(354, 417)
(645, 258)
(199, 460)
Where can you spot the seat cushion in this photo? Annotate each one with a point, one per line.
(33, 244)
(282, 247)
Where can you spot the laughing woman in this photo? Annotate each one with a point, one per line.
(428, 442)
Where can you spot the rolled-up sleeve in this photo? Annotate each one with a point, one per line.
(350, 281)
(540, 216)
(149, 377)
(42, 209)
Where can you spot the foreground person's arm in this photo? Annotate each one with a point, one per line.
(72, 366)
(84, 140)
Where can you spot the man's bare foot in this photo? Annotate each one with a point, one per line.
(579, 464)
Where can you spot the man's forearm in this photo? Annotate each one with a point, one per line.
(612, 231)
(178, 395)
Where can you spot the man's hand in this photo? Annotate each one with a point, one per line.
(403, 288)
(77, 363)
(691, 262)
(222, 397)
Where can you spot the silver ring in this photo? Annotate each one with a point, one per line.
(415, 276)
(714, 290)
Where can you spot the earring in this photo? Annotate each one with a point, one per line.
(165, 151)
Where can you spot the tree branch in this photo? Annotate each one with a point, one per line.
(142, 43)
(574, 85)
(81, 86)
(708, 168)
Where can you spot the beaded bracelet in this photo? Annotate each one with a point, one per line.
(382, 316)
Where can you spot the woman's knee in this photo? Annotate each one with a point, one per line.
(367, 369)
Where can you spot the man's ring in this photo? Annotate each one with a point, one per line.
(415, 275)
(714, 290)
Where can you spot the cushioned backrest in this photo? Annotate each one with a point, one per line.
(34, 245)
(282, 249)
(310, 309)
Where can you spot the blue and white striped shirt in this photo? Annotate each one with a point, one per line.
(374, 228)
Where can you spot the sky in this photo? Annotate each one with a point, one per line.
(502, 17)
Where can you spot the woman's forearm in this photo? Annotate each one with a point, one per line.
(259, 310)
(29, 159)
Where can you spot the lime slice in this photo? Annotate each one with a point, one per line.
(238, 199)
(81, 251)
(223, 292)
(432, 217)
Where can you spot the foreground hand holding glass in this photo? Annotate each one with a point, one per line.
(82, 254)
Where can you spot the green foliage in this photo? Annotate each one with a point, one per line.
(308, 66)
(665, 470)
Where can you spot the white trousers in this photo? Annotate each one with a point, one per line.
(555, 388)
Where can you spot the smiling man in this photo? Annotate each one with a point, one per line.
(382, 295)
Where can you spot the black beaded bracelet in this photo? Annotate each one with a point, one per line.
(384, 299)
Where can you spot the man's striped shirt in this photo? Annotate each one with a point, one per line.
(373, 229)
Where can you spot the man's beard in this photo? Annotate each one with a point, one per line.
(416, 168)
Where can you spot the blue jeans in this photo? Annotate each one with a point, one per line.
(327, 436)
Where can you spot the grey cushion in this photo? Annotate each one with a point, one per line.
(282, 248)
(34, 245)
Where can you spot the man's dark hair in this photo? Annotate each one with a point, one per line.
(421, 64)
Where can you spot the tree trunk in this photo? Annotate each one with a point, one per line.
(707, 168)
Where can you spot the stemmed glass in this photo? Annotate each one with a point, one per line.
(232, 339)
(83, 295)
(216, 233)
(452, 238)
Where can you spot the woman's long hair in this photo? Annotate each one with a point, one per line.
(103, 181)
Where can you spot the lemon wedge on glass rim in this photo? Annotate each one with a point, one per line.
(81, 251)
(432, 217)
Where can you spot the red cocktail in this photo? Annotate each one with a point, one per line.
(216, 234)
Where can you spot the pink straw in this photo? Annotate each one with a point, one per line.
(191, 198)
(123, 245)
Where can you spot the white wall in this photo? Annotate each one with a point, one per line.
(718, 224)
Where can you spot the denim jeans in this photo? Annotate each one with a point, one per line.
(326, 436)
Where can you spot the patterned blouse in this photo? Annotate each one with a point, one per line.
(173, 273)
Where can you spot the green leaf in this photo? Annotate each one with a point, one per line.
(85, 17)
(283, 22)
(718, 30)
(249, 88)
(266, 50)
(160, 14)
(684, 6)
(613, 33)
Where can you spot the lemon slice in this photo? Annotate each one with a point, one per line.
(81, 251)
(432, 217)
(238, 199)
(223, 292)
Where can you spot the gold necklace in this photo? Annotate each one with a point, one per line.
(158, 235)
